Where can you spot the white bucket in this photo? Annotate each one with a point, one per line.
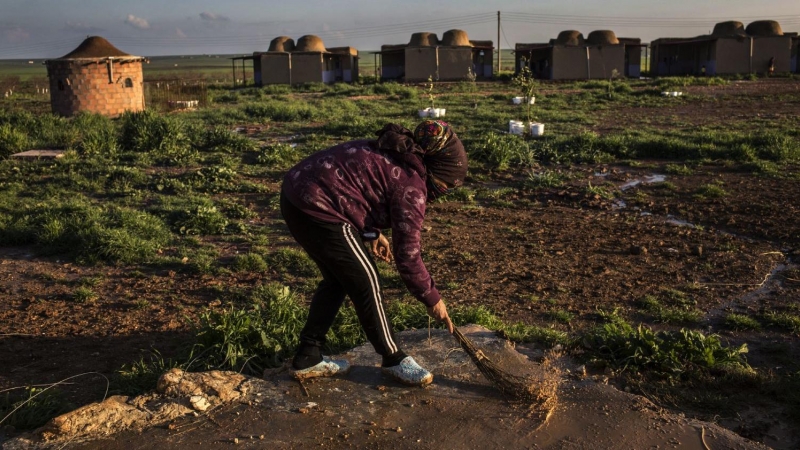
(432, 112)
(672, 94)
(521, 100)
(518, 127)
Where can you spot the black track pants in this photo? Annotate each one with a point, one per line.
(347, 269)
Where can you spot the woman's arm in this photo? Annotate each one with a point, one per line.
(407, 212)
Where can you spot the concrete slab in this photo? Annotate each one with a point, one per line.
(39, 154)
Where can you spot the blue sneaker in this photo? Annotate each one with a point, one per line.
(325, 368)
(409, 372)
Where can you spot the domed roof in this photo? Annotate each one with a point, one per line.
(570, 37)
(309, 43)
(456, 38)
(764, 28)
(729, 28)
(602, 37)
(94, 47)
(281, 44)
(423, 39)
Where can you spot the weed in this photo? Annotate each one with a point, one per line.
(278, 155)
(561, 315)
(788, 322)
(33, 410)
(293, 261)
(741, 322)
(250, 262)
(544, 179)
(666, 353)
(141, 376)
(84, 294)
(679, 169)
(501, 151)
(710, 191)
(599, 192)
(201, 219)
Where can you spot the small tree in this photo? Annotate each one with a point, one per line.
(430, 86)
(526, 84)
(614, 75)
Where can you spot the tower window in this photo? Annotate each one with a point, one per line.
(60, 85)
(128, 83)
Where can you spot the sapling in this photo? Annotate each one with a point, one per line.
(526, 84)
(614, 75)
(430, 91)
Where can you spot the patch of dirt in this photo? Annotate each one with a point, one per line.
(362, 409)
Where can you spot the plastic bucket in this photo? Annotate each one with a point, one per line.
(537, 129)
(521, 100)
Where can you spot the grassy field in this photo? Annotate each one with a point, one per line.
(163, 217)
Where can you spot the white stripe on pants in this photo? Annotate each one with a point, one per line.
(358, 250)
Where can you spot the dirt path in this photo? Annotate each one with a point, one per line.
(364, 410)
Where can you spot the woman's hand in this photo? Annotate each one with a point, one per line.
(381, 248)
(439, 312)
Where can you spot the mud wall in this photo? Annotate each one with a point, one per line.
(307, 68)
(569, 63)
(420, 63)
(778, 47)
(96, 86)
(454, 63)
(275, 68)
(733, 56)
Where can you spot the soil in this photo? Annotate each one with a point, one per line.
(364, 409)
(524, 257)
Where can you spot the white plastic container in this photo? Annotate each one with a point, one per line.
(518, 127)
(672, 94)
(432, 112)
(521, 100)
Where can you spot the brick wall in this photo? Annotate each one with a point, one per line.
(84, 85)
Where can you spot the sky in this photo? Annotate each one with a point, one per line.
(51, 28)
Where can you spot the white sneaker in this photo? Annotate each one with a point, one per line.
(409, 372)
(325, 368)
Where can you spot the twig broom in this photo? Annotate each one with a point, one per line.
(537, 393)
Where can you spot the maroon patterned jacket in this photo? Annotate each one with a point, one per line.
(370, 189)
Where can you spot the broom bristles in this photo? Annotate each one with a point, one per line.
(510, 385)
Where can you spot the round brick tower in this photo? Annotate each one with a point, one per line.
(96, 77)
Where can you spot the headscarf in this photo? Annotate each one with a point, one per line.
(445, 158)
(433, 150)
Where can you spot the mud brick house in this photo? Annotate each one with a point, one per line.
(729, 49)
(307, 62)
(455, 57)
(570, 56)
(96, 77)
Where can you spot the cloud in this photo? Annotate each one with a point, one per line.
(212, 17)
(137, 22)
(82, 28)
(16, 34)
(180, 33)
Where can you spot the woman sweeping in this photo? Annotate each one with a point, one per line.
(337, 198)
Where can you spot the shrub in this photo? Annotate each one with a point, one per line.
(670, 354)
(294, 261)
(89, 232)
(166, 138)
(250, 262)
(221, 139)
(279, 155)
(201, 220)
(11, 140)
(501, 151)
(741, 322)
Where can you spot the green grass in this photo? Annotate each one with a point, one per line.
(34, 407)
(741, 322)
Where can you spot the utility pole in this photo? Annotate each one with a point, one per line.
(498, 44)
